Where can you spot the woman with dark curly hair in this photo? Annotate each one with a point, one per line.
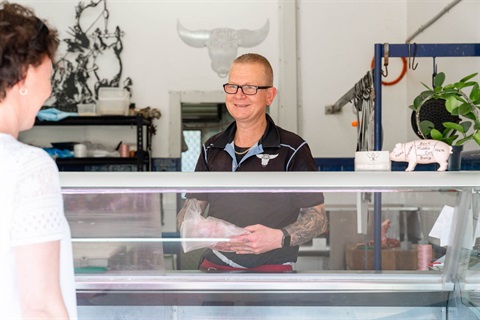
(36, 265)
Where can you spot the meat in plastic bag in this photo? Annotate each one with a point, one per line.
(201, 229)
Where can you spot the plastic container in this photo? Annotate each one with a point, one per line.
(372, 161)
(113, 101)
(87, 109)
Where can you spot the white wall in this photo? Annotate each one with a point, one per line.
(337, 45)
(156, 58)
(335, 42)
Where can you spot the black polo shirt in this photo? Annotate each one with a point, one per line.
(277, 150)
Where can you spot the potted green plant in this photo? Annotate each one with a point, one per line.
(462, 107)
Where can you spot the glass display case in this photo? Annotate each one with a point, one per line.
(130, 263)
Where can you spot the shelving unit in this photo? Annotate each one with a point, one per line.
(144, 143)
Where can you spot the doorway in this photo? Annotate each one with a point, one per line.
(199, 122)
(194, 117)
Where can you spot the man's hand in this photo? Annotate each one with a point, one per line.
(261, 239)
(222, 246)
(312, 222)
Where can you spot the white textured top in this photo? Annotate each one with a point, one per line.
(31, 212)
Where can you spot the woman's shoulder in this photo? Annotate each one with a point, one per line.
(24, 155)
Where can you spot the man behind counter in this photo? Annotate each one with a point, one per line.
(278, 222)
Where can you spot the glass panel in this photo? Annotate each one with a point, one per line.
(130, 258)
(469, 266)
(99, 222)
(137, 231)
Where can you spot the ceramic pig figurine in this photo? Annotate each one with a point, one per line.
(422, 151)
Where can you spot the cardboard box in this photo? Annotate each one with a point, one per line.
(392, 258)
(407, 259)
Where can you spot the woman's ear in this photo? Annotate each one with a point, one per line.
(20, 87)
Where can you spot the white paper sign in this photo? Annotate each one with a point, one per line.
(441, 228)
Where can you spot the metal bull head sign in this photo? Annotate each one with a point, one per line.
(222, 43)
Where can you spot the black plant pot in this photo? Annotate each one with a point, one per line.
(455, 159)
(433, 110)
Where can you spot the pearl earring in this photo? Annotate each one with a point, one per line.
(23, 91)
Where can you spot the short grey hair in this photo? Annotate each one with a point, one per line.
(257, 58)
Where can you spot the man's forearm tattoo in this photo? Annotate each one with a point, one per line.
(313, 221)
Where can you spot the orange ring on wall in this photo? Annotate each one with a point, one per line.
(400, 77)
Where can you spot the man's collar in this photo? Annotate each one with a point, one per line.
(270, 138)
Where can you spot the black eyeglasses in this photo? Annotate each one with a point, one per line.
(246, 89)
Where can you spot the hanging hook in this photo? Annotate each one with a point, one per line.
(414, 66)
(385, 59)
(409, 55)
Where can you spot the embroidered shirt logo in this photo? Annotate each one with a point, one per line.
(266, 157)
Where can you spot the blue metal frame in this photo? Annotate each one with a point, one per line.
(407, 51)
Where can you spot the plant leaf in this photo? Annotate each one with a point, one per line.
(459, 85)
(427, 94)
(428, 88)
(469, 84)
(465, 79)
(476, 125)
(464, 109)
(435, 134)
(470, 115)
(475, 93)
(449, 88)
(417, 102)
(466, 125)
(476, 137)
(451, 103)
(447, 132)
(438, 80)
(425, 127)
(450, 140)
(462, 141)
(454, 126)
(421, 98)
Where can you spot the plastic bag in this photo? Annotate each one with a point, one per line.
(200, 229)
(53, 114)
